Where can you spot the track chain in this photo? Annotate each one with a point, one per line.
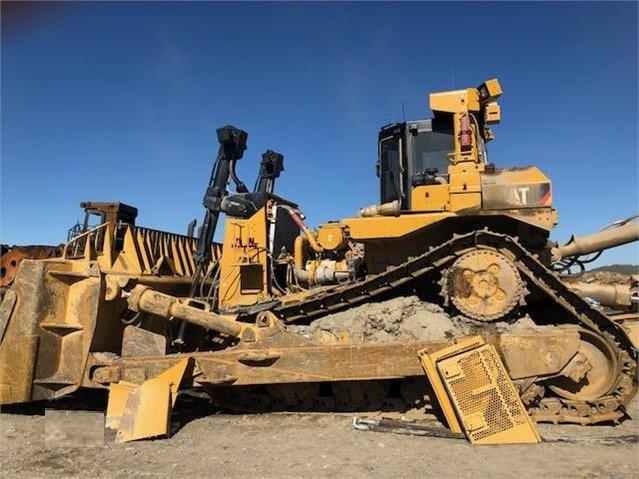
(548, 409)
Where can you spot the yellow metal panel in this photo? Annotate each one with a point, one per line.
(466, 167)
(526, 175)
(131, 248)
(458, 101)
(147, 412)
(440, 391)
(523, 193)
(48, 335)
(243, 266)
(129, 259)
(118, 396)
(17, 363)
(144, 411)
(390, 227)
(473, 99)
(331, 237)
(485, 400)
(492, 115)
(465, 201)
(465, 182)
(430, 198)
(489, 91)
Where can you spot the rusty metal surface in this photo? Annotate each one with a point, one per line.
(295, 363)
(483, 285)
(142, 342)
(46, 342)
(10, 261)
(538, 353)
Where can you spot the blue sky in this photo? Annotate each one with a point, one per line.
(119, 101)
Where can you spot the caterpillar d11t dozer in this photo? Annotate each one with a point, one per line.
(279, 315)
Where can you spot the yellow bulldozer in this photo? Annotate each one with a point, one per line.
(127, 306)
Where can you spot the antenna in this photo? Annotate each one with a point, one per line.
(403, 112)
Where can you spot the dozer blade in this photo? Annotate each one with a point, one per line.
(143, 411)
(119, 394)
(475, 391)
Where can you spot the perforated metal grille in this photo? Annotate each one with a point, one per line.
(486, 401)
(459, 348)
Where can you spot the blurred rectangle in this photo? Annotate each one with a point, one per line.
(73, 428)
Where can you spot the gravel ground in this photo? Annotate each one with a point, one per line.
(283, 445)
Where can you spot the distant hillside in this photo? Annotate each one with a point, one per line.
(609, 274)
(627, 269)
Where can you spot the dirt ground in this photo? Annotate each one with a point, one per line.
(282, 445)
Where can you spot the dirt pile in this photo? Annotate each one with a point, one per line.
(404, 318)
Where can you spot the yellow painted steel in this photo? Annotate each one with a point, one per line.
(300, 251)
(136, 250)
(143, 411)
(526, 175)
(244, 264)
(493, 113)
(465, 202)
(461, 103)
(332, 236)
(462, 196)
(17, 363)
(480, 392)
(430, 198)
(118, 396)
(466, 106)
(465, 180)
(489, 91)
(56, 323)
(456, 101)
(437, 385)
(380, 227)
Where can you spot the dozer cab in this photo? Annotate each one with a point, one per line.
(127, 305)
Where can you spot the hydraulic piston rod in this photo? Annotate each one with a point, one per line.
(597, 242)
(612, 295)
(148, 300)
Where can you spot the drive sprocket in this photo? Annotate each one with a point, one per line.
(483, 284)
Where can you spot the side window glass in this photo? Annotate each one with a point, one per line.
(431, 151)
(390, 173)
